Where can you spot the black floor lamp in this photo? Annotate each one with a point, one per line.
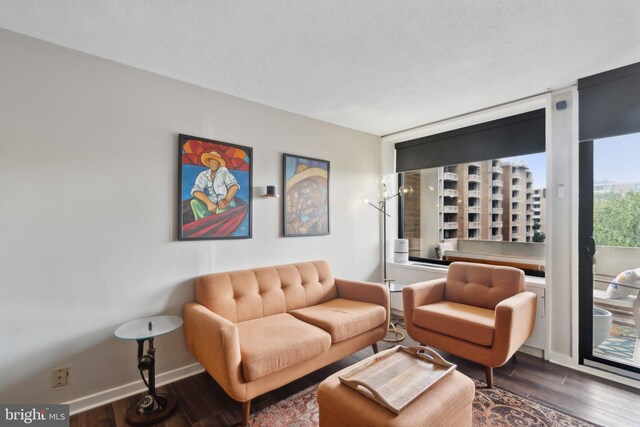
(383, 198)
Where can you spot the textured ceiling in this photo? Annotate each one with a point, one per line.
(379, 66)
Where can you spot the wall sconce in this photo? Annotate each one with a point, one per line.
(272, 191)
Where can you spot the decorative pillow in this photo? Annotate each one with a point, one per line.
(629, 277)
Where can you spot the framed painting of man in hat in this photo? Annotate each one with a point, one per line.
(215, 189)
(306, 196)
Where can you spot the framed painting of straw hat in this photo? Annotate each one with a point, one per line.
(306, 196)
(215, 189)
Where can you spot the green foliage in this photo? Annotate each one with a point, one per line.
(616, 219)
(538, 237)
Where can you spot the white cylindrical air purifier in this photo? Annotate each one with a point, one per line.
(401, 251)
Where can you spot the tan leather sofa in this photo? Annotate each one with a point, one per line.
(256, 330)
(479, 312)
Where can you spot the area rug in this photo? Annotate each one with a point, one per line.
(491, 407)
(622, 344)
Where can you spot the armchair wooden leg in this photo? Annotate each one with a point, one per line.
(246, 408)
(374, 346)
(488, 371)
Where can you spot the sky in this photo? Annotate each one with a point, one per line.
(615, 159)
(537, 165)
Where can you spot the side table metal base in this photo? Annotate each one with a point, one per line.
(399, 336)
(159, 409)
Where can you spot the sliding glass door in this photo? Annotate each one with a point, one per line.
(609, 276)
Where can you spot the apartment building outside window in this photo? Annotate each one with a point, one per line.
(498, 200)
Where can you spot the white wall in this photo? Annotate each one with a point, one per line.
(88, 190)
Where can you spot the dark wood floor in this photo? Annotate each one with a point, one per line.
(201, 402)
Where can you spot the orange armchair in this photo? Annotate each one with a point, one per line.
(478, 312)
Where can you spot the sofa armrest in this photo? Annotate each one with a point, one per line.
(514, 322)
(418, 294)
(215, 343)
(373, 293)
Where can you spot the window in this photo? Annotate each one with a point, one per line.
(484, 208)
(482, 201)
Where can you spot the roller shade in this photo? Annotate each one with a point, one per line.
(609, 103)
(511, 136)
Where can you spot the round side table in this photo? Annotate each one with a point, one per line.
(152, 407)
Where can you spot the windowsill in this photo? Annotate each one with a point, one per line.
(535, 281)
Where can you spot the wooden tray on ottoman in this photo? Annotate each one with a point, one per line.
(395, 377)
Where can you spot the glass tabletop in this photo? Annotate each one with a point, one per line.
(148, 327)
(393, 286)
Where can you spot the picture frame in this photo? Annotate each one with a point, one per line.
(305, 196)
(215, 189)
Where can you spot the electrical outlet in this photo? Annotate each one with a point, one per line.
(59, 377)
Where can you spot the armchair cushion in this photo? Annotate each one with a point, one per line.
(481, 285)
(272, 343)
(343, 318)
(466, 322)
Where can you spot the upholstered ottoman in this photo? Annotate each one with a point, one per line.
(447, 403)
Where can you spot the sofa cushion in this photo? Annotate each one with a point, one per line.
(466, 322)
(343, 318)
(274, 342)
(250, 294)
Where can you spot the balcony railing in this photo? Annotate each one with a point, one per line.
(475, 178)
(474, 209)
(450, 176)
(474, 193)
(474, 224)
(496, 169)
(497, 183)
(497, 196)
(450, 225)
(450, 209)
(497, 210)
(496, 224)
(497, 237)
(450, 193)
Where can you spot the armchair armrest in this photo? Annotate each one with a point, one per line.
(373, 293)
(418, 294)
(423, 293)
(514, 322)
(215, 343)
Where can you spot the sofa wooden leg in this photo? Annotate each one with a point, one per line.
(488, 371)
(374, 346)
(246, 408)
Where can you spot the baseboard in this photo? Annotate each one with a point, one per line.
(107, 396)
(397, 312)
(536, 352)
(561, 359)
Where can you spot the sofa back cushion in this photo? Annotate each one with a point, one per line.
(250, 294)
(482, 285)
